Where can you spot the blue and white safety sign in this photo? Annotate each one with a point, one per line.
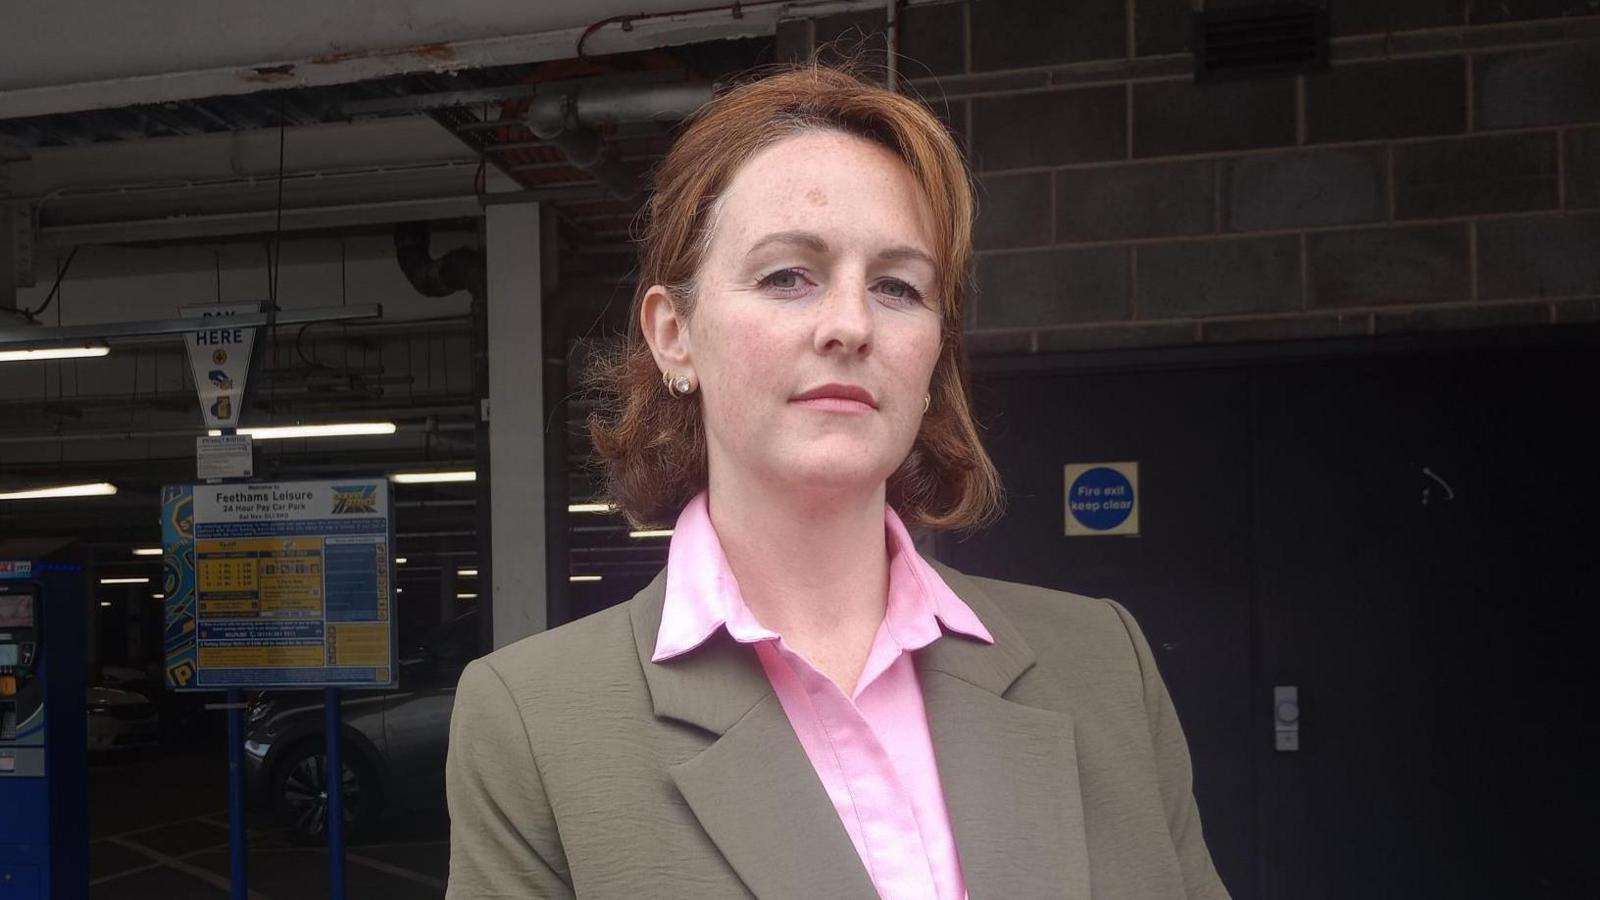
(1102, 498)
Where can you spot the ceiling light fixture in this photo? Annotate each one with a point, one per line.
(588, 507)
(654, 533)
(96, 489)
(432, 477)
(333, 429)
(467, 573)
(81, 351)
(138, 580)
(583, 578)
(147, 551)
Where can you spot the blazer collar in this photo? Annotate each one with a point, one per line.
(721, 681)
(1009, 771)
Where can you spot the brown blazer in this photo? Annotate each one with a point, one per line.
(578, 767)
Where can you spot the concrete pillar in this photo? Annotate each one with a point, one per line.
(16, 265)
(516, 596)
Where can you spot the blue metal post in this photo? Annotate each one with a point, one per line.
(236, 829)
(333, 782)
(238, 837)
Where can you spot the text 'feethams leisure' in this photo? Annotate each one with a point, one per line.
(262, 496)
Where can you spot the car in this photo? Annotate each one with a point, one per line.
(393, 747)
(121, 720)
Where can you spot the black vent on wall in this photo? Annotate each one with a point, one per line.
(1260, 41)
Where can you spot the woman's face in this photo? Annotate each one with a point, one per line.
(819, 283)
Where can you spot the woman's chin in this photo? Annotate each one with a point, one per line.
(841, 474)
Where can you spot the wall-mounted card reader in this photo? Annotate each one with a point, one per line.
(1286, 718)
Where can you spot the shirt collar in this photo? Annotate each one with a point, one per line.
(702, 594)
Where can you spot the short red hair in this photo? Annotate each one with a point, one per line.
(650, 446)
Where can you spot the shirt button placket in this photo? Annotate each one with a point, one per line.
(893, 842)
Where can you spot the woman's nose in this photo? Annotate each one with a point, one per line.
(845, 320)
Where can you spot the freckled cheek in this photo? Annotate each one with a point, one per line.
(914, 362)
(749, 367)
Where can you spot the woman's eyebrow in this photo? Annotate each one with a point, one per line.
(813, 241)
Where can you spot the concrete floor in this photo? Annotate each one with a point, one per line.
(158, 828)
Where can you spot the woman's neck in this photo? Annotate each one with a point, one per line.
(811, 565)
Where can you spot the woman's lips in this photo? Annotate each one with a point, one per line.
(848, 397)
(834, 404)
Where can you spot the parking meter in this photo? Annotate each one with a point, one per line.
(43, 773)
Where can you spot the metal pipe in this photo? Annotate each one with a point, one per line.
(567, 120)
(44, 336)
(587, 106)
(259, 221)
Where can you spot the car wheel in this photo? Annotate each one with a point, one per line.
(300, 794)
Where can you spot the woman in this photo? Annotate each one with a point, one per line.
(800, 705)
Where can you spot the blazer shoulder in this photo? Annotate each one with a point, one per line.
(1085, 638)
(1029, 605)
(569, 661)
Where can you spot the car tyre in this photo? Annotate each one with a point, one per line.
(299, 798)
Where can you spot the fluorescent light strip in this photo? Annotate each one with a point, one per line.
(335, 429)
(432, 477)
(97, 489)
(139, 580)
(589, 507)
(147, 551)
(583, 577)
(466, 596)
(659, 533)
(467, 573)
(80, 352)
(158, 596)
(399, 560)
(105, 602)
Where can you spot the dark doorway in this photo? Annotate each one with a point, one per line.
(1406, 538)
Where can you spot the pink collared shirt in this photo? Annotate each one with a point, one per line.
(872, 750)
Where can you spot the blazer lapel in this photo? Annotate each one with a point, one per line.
(753, 789)
(1009, 771)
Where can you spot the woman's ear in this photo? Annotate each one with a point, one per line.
(666, 332)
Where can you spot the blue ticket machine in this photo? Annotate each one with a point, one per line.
(44, 844)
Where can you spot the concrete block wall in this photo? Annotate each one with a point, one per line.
(1444, 174)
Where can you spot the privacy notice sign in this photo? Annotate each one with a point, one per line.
(1102, 498)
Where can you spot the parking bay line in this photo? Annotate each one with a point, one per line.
(174, 862)
(203, 817)
(368, 861)
(391, 869)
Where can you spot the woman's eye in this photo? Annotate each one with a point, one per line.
(790, 281)
(782, 280)
(900, 290)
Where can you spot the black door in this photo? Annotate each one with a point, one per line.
(1186, 578)
(1409, 541)
(1426, 548)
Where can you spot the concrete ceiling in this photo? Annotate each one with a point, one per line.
(76, 55)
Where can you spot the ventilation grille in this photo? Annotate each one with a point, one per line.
(1260, 41)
